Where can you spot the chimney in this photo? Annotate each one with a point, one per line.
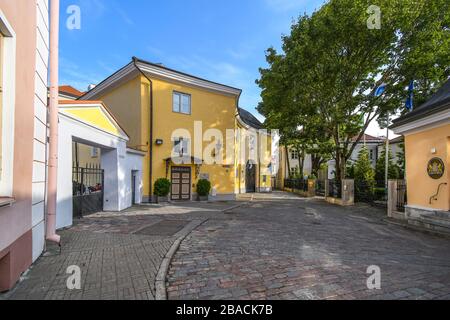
(91, 86)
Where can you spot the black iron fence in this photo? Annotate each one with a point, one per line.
(87, 188)
(296, 184)
(335, 189)
(320, 188)
(402, 195)
(371, 192)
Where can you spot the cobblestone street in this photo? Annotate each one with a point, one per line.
(276, 246)
(119, 256)
(282, 247)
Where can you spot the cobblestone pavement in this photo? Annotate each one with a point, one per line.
(116, 260)
(283, 247)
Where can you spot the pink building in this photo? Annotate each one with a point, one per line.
(24, 55)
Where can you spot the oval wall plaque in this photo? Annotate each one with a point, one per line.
(436, 168)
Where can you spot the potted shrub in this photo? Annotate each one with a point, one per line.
(162, 190)
(203, 189)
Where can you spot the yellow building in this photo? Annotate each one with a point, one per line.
(427, 151)
(83, 155)
(186, 125)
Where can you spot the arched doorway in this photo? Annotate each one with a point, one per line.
(250, 177)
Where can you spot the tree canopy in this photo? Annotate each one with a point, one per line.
(324, 81)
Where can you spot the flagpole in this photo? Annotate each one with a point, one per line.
(386, 175)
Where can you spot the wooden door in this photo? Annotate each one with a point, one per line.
(181, 183)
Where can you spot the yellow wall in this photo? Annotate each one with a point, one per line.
(125, 103)
(130, 104)
(418, 153)
(262, 172)
(84, 155)
(214, 110)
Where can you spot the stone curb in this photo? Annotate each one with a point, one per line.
(416, 228)
(160, 282)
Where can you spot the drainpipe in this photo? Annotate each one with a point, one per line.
(150, 164)
(53, 125)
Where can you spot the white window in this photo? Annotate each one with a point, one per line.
(7, 105)
(94, 152)
(181, 103)
(294, 155)
(181, 147)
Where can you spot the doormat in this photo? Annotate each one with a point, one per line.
(164, 228)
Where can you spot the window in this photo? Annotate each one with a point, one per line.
(294, 155)
(94, 152)
(181, 147)
(371, 154)
(181, 103)
(7, 105)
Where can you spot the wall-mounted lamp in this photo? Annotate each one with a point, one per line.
(159, 142)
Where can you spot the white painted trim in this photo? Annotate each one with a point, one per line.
(160, 73)
(118, 76)
(189, 80)
(247, 127)
(430, 122)
(112, 121)
(8, 105)
(76, 120)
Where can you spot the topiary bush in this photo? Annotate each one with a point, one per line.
(203, 187)
(162, 187)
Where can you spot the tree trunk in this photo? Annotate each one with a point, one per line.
(288, 163)
(301, 161)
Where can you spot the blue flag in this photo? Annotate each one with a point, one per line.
(410, 101)
(380, 90)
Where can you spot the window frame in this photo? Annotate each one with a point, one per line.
(181, 94)
(8, 84)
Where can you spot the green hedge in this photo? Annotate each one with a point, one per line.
(162, 187)
(203, 187)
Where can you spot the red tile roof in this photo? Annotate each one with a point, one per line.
(67, 89)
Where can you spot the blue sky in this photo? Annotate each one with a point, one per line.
(219, 40)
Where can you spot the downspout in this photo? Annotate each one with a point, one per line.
(53, 125)
(151, 130)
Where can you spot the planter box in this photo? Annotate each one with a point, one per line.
(202, 198)
(161, 199)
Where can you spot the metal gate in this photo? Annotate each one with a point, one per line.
(402, 195)
(250, 177)
(87, 190)
(320, 188)
(373, 193)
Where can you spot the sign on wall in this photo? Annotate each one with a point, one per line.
(436, 168)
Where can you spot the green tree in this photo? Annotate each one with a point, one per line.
(380, 169)
(331, 66)
(401, 162)
(363, 167)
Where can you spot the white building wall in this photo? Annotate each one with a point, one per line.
(40, 128)
(116, 161)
